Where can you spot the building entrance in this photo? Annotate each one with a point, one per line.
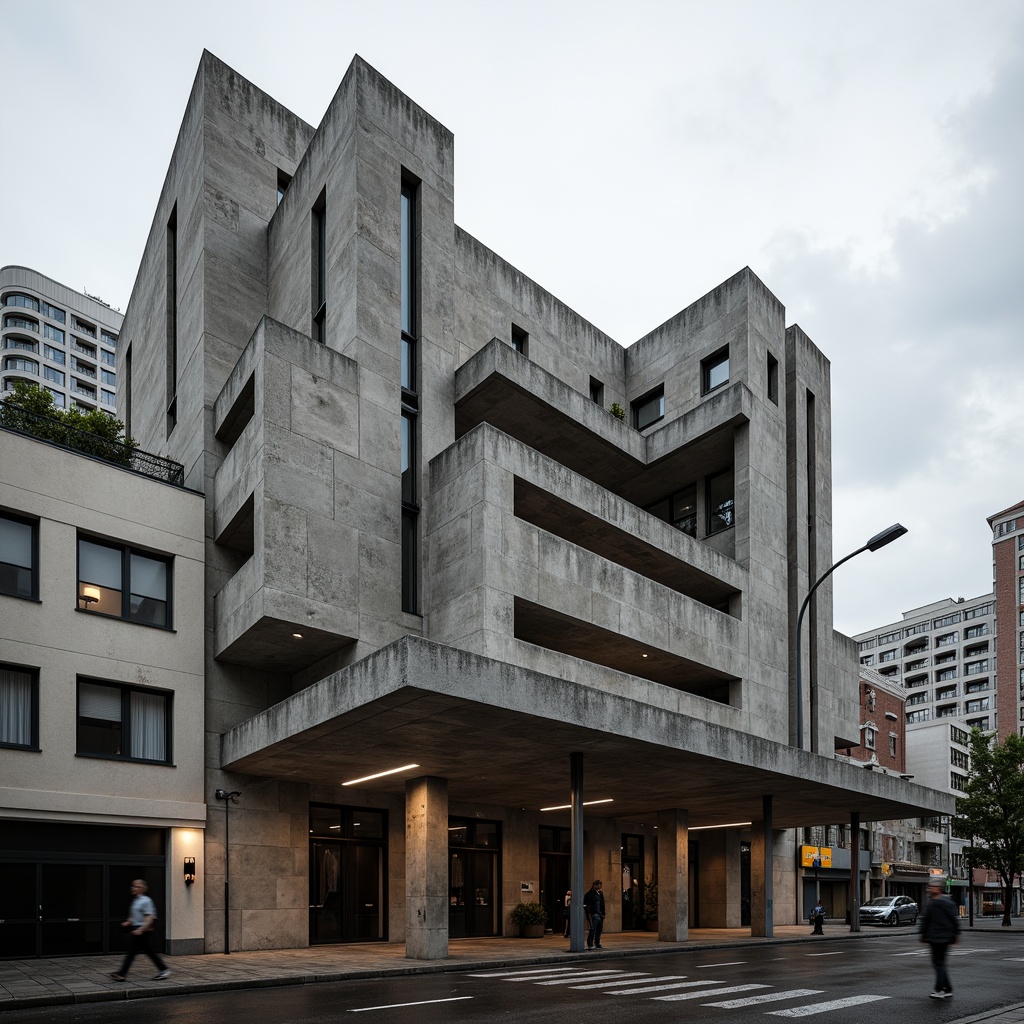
(59, 903)
(474, 877)
(347, 872)
(555, 873)
(632, 883)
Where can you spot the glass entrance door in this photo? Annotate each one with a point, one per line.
(632, 883)
(474, 878)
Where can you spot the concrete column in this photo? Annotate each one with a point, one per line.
(762, 875)
(720, 874)
(673, 875)
(426, 868)
(854, 871)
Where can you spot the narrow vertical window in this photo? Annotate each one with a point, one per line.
(410, 407)
(172, 319)
(596, 391)
(773, 379)
(126, 387)
(319, 226)
(520, 340)
(283, 181)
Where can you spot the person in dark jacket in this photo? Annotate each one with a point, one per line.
(593, 904)
(818, 918)
(940, 928)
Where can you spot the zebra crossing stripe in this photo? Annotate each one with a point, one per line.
(643, 989)
(618, 981)
(572, 980)
(570, 973)
(768, 997)
(704, 995)
(834, 1004)
(536, 970)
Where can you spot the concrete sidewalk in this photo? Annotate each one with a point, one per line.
(67, 980)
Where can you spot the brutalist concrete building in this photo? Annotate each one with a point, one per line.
(448, 590)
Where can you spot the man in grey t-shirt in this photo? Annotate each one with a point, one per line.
(141, 917)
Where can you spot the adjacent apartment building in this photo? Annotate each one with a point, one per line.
(467, 633)
(60, 339)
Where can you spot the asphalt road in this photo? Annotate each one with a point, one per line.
(846, 982)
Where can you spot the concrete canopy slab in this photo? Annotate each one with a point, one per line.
(490, 728)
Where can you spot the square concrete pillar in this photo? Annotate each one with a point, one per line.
(426, 868)
(762, 875)
(719, 878)
(673, 876)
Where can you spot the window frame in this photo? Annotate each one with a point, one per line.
(714, 523)
(127, 690)
(126, 551)
(707, 367)
(33, 525)
(654, 395)
(33, 743)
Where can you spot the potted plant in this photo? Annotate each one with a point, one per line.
(651, 906)
(530, 919)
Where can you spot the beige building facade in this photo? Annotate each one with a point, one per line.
(101, 712)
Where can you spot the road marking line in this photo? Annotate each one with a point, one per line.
(768, 997)
(914, 952)
(836, 953)
(574, 979)
(835, 1004)
(618, 981)
(396, 1006)
(570, 973)
(538, 970)
(731, 963)
(968, 952)
(704, 995)
(660, 988)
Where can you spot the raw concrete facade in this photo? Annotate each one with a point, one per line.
(431, 546)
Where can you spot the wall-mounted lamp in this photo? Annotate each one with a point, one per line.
(190, 870)
(90, 595)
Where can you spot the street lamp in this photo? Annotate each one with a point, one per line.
(229, 798)
(887, 536)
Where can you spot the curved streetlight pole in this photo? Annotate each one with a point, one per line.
(887, 536)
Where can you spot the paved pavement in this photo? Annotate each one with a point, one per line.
(67, 980)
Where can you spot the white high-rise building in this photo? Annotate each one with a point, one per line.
(60, 339)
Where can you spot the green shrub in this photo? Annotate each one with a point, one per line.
(528, 913)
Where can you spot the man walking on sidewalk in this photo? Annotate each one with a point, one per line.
(141, 918)
(940, 928)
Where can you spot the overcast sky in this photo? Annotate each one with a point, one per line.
(865, 160)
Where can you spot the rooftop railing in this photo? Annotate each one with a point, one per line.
(63, 435)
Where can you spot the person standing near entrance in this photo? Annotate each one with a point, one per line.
(593, 904)
(940, 928)
(141, 918)
(567, 912)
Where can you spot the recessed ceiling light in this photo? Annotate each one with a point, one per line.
(586, 803)
(732, 824)
(643, 655)
(298, 636)
(378, 775)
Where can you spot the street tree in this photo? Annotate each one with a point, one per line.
(991, 810)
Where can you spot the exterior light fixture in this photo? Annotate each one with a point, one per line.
(886, 536)
(90, 595)
(586, 803)
(190, 870)
(380, 775)
(298, 636)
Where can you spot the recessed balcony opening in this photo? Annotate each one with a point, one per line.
(557, 632)
(551, 513)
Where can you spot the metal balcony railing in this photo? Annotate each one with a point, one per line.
(62, 435)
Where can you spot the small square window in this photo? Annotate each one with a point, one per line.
(596, 391)
(714, 371)
(19, 556)
(19, 707)
(123, 722)
(649, 409)
(520, 340)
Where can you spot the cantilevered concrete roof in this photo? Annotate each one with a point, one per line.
(502, 735)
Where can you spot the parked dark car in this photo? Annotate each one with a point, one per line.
(892, 910)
